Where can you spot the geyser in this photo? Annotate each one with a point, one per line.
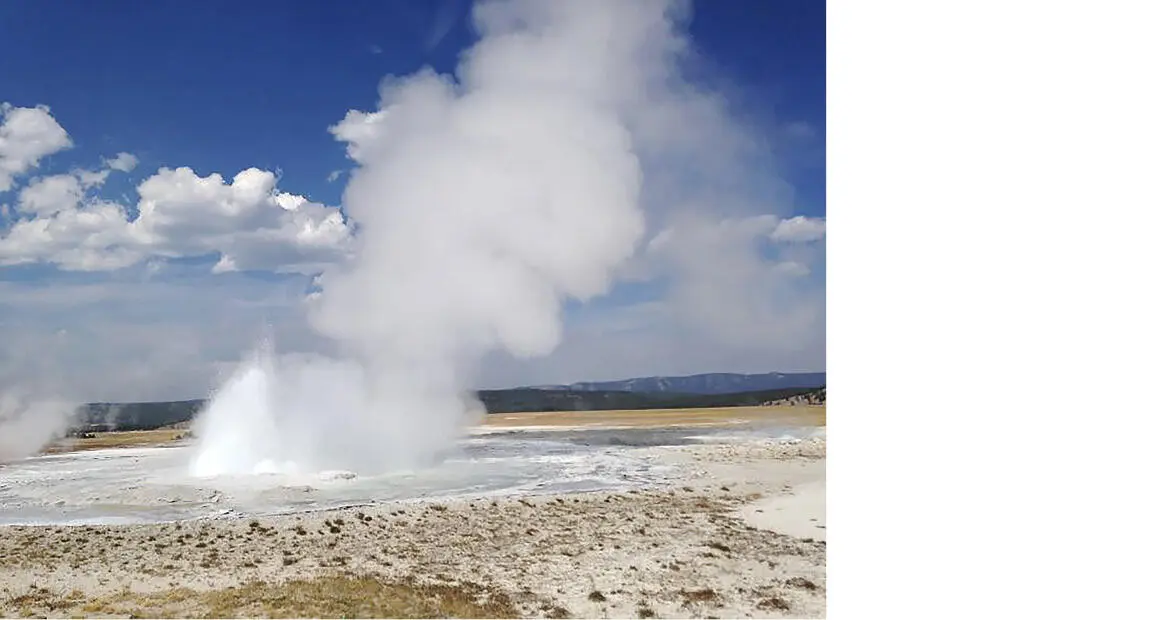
(482, 201)
(245, 440)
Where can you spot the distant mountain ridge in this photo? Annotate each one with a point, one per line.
(705, 390)
(707, 383)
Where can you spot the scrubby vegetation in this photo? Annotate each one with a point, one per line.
(333, 597)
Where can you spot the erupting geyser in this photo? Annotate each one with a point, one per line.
(247, 440)
(482, 201)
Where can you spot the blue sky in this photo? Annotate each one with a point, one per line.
(221, 87)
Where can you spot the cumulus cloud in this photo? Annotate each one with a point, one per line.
(357, 130)
(48, 196)
(123, 162)
(799, 230)
(27, 135)
(123, 330)
(249, 222)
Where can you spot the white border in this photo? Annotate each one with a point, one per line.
(989, 176)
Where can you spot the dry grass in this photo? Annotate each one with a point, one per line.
(116, 439)
(38, 601)
(324, 597)
(800, 415)
(359, 597)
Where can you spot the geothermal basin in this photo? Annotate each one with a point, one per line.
(142, 485)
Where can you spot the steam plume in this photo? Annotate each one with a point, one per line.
(27, 425)
(483, 201)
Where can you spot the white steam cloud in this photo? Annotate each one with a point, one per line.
(483, 201)
(28, 424)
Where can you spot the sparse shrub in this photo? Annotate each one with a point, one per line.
(774, 603)
(699, 596)
(801, 582)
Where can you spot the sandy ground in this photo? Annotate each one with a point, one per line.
(740, 533)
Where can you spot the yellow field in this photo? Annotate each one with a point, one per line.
(116, 439)
(798, 415)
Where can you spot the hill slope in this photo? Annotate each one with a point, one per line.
(145, 416)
